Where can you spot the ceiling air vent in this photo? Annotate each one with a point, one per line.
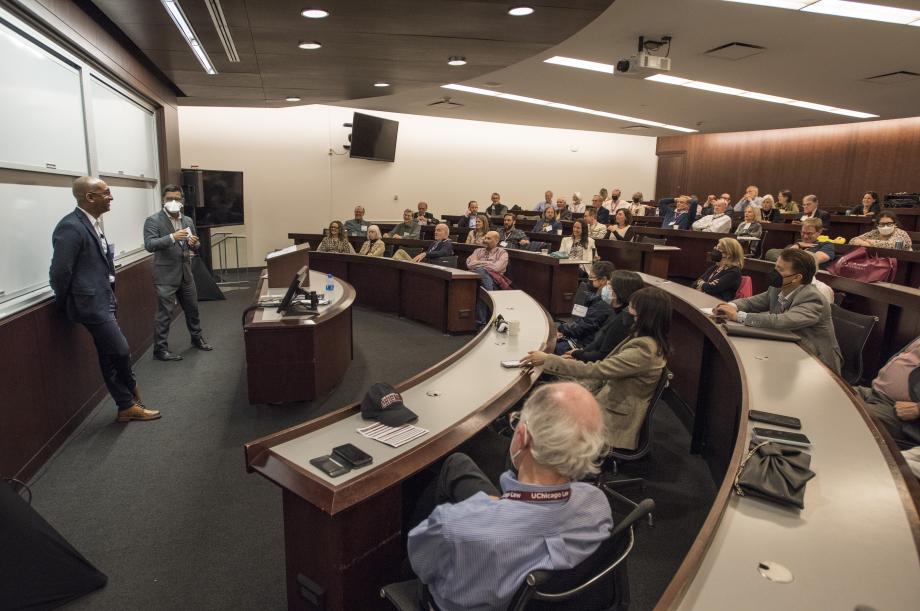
(734, 51)
(891, 78)
(635, 127)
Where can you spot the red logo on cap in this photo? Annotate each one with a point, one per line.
(388, 400)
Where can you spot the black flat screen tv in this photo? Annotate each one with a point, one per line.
(373, 138)
(215, 195)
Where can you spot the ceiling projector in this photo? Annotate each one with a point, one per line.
(642, 64)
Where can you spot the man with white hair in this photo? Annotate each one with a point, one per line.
(479, 543)
(357, 226)
(717, 221)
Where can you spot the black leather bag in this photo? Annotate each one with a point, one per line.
(776, 473)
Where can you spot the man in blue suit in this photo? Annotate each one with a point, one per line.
(82, 277)
(681, 216)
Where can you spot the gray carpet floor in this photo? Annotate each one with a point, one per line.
(168, 512)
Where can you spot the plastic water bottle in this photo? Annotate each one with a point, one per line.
(330, 287)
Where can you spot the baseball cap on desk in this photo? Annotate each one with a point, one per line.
(383, 403)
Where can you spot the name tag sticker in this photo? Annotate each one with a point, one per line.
(579, 310)
(363, 227)
(503, 244)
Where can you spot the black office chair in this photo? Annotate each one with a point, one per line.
(643, 447)
(599, 583)
(852, 331)
(647, 239)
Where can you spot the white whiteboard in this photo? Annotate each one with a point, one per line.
(124, 222)
(125, 134)
(41, 108)
(31, 211)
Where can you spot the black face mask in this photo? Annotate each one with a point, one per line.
(777, 280)
(715, 256)
(615, 198)
(637, 200)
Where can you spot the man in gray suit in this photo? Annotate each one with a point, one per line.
(791, 303)
(170, 235)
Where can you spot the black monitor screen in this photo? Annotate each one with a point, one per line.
(373, 138)
(221, 201)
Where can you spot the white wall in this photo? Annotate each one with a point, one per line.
(292, 183)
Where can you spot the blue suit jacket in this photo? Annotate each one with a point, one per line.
(439, 250)
(80, 271)
(669, 215)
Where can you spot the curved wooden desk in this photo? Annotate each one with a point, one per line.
(297, 358)
(856, 541)
(346, 534)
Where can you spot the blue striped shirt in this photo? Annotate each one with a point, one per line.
(474, 555)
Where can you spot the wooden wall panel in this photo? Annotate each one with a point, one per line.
(838, 163)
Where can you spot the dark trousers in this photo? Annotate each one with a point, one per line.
(187, 296)
(114, 361)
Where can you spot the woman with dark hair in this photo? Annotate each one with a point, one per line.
(785, 203)
(578, 246)
(581, 329)
(629, 374)
(617, 293)
(336, 240)
(886, 234)
(869, 205)
(622, 227)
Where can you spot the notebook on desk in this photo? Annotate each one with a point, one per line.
(739, 330)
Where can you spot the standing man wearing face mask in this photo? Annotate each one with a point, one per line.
(792, 303)
(171, 236)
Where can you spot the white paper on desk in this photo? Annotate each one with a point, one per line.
(393, 436)
(706, 311)
(283, 251)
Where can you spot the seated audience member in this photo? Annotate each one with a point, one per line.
(708, 207)
(409, 228)
(475, 236)
(750, 227)
(546, 203)
(511, 237)
(373, 246)
(751, 197)
(605, 198)
(580, 330)
(336, 241)
(616, 201)
(785, 203)
(423, 217)
(490, 262)
(549, 223)
(603, 215)
(468, 220)
(679, 217)
(791, 303)
(823, 252)
(726, 196)
(769, 212)
(562, 210)
(577, 204)
(625, 378)
(717, 222)
(578, 246)
(636, 207)
(439, 249)
(869, 205)
(496, 208)
(480, 543)
(357, 226)
(723, 277)
(622, 228)
(886, 234)
(893, 398)
(810, 205)
(595, 230)
(619, 325)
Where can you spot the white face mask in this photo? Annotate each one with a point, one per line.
(173, 207)
(886, 230)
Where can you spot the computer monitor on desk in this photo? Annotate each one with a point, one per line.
(288, 307)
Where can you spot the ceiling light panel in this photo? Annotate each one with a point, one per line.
(600, 113)
(223, 29)
(764, 97)
(844, 8)
(788, 4)
(188, 33)
(584, 64)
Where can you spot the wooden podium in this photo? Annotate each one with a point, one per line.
(284, 264)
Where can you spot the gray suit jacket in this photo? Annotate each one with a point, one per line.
(809, 316)
(171, 259)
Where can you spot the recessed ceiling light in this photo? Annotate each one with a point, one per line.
(381, 84)
(520, 11)
(845, 8)
(456, 60)
(519, 98)
(764, 97)
(314, 13)
(310, 45)
(292, 99)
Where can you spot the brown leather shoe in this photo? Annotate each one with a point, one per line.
(136, 412)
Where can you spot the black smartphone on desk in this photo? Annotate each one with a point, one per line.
(329, 466)
(775, 419)
(785, 437)
(352, 455)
